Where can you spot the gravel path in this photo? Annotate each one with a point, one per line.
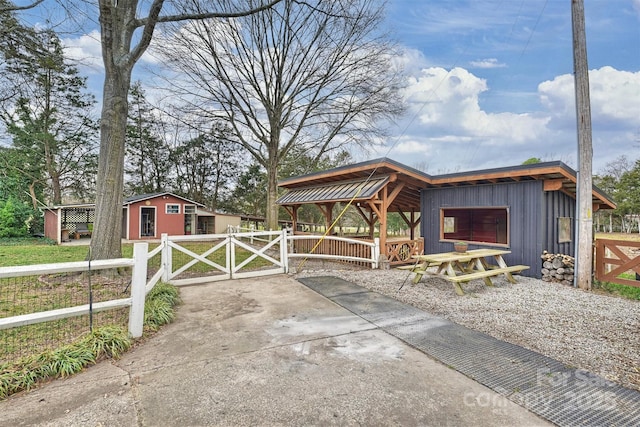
(585, 330)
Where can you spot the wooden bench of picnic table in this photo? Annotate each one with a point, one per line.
(463, 267)
(487, 273)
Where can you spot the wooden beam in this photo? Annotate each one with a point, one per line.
(382, 219)
(374, 208)
(327, 210)
(394, 193)
(410, 222)
(294, 218)
(290, 210)
(553, 184)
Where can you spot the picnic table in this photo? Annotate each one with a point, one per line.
(459, 267)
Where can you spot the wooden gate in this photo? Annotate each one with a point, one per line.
(615, 258)
(211, 257)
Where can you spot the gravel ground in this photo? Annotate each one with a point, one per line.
(585, 330)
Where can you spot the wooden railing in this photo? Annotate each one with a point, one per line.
(616, 257)
(400, 251)
(358, 251)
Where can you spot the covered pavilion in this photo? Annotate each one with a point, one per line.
(374, 188)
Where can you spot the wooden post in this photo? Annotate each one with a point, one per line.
(584, 231)
(167, 260)
(382, 219)
(138, 289)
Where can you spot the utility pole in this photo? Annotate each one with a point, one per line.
(584, 231)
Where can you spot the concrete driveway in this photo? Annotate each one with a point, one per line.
(266, 351)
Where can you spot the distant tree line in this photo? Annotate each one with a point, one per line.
(621, 181)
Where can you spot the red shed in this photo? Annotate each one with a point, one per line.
(145, 216)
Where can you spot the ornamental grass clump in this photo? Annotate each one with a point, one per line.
(158, 309)
(102, 343)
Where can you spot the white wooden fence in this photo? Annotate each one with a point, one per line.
(135, 302)
(272, 248)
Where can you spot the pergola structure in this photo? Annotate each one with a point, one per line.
(380, 186)
(374, 188)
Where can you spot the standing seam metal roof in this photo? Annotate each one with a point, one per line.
(362, 189)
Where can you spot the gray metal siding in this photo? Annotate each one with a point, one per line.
(559, 205)
(526, 217)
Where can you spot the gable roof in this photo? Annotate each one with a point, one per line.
(403, 181)
(127, 201)
(557, 176)
(142, 197)
(363, 170)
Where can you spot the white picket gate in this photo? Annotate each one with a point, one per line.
(269, 246)
(273, 249)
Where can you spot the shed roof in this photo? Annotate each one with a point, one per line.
(127, 201)
(384, 171)
(149, 196)
(556, 175)
(361, 189)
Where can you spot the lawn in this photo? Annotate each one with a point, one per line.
(38, 251)
(43, 254)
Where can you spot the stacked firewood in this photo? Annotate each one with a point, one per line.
(558, 268)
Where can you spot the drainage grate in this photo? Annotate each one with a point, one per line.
(562, 395)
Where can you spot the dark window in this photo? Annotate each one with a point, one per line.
(475, 225)
(172, 208)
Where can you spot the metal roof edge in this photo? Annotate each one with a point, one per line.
(381, 161)
(143, 197)
(523, 168)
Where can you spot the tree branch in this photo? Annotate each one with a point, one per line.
(13, 8)
(206, 15)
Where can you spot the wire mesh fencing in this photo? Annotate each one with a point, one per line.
(38, 293)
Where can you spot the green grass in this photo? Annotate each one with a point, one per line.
(106, 342)
(31, 254)
(624, 291)
(40, 254)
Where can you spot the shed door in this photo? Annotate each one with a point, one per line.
(148, 222)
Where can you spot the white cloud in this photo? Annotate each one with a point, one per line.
(86, 50)
(448, 128)
(448, 103)
(614, 94)
(487, 63)
(409, 146)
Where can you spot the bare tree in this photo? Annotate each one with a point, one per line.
(125, 36)
(315, 75)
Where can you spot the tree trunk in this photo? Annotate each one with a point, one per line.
(106, 243)
(272, 195)
(32, 193)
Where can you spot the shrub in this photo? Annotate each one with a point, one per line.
(15, 218)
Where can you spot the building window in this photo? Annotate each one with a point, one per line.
(475, 225)
(189, 209)
(171, 208)
(564, 229)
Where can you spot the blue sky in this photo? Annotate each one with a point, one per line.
(491, 83)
